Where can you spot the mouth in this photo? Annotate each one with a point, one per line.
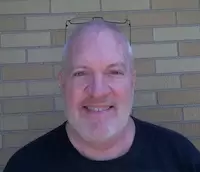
(97, 109)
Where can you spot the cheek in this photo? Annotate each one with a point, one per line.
(73, 95)
(122, 90)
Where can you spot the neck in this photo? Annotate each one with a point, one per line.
(115, 147)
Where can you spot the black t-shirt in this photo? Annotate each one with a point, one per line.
(155, 149)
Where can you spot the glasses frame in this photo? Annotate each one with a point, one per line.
(94, 18)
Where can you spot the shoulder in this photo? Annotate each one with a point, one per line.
(158, 132)
(172, 142)
(36, 151)
(163, 135)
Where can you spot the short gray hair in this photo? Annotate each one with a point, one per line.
(98, 24)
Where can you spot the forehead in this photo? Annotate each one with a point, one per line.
(103, 46)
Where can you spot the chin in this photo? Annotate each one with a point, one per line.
(97, 130)
(98, 134)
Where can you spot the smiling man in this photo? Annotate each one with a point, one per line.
(97, 83)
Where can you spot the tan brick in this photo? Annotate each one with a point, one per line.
(191, 113)
(14, 123)
(25, 39)
(45, 55)
(13, 72)
(126, 31)
(144, 66)
(163, 4)
(28, 105)
(1, 142)
(177, 65)
(112, 5)
(141, 35)
(59, 103)
(21, 7)
(12, 56)
(11, 23)
(176, 33)
(114, 16)
(188, 17)
(152, 18)
(189, 48)
(57, 69)
(19, 139)
(179, 97)
(58, 37)
(60, 6)
(5, 155)
(190, 80)
(191, 129)
(159, 115)
(196, 143)
(144, 99)
(12, 89)
(177, 127)
(43, 88)
(157, 82)
(46, 121)
(47, 22)
(155, 50)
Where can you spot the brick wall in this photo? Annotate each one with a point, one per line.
(166, 43)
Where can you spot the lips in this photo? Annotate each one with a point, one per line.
(97, 113)
(97, 109)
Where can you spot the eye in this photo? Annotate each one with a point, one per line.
(79, 73)
(117, 72)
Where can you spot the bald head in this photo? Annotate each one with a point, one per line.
(85, 34)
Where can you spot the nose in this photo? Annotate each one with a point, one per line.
(98, 87)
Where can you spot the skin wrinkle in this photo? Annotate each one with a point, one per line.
(109, 134)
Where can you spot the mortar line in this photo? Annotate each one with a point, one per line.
(100, 3)
(150, 4)
(50, 11)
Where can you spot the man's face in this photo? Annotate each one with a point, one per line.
(98, 86)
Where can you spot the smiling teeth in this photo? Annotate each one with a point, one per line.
(97, 109)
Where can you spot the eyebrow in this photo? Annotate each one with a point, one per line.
(117, 64)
